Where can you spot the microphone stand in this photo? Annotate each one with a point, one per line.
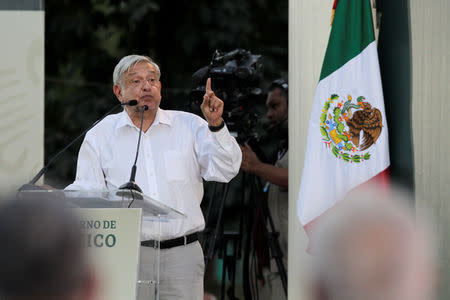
(31, 185)
(131, 184)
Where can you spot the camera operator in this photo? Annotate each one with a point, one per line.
(276, 178)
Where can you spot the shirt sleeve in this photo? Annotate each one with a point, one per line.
(218, 154)
(89, 172)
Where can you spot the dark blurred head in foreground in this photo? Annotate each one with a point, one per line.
(41, 253)
(373, 249)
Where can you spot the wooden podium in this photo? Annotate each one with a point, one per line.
(110, 221)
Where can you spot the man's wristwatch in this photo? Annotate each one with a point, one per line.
(218, 127)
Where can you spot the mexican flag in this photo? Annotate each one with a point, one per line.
(347, 141)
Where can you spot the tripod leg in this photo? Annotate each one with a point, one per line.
(219, 225)
(211, 201)
(224, 270)
(272, 237)
(231, 294)
(246, 260)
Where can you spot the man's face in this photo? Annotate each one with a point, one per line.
(141, 83)
(277, 108)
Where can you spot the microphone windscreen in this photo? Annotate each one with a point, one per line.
(145, 107)
(132, 103)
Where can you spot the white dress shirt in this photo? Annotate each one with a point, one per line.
(176, 152)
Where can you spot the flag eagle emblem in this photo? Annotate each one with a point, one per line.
(343, 121)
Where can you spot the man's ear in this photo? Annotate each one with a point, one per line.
(118, 92)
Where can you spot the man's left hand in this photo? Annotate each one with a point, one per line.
(212, 107)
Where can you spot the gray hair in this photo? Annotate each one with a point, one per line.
(43, 249)
(365, 246)
(127, 62)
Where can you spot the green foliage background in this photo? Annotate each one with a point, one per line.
(85, 40)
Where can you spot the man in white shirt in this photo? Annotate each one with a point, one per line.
(177, 150)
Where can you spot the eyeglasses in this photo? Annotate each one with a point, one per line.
(138, 82)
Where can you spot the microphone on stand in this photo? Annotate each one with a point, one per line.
(131, 184)
(30, 185)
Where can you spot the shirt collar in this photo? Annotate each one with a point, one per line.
(161, 117)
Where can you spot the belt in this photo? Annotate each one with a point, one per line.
(180, 241)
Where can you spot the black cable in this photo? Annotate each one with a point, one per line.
(132, 196)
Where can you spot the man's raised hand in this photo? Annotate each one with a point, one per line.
(212, 107)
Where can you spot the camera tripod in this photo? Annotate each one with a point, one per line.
(233, 239)
(224, 240)
(271, 235)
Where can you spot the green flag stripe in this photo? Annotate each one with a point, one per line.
(352, 31)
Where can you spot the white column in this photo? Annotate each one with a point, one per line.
(309, 27)
(430, 44)
(21, 96)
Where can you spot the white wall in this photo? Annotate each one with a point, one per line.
(309, 27)
(21, 96)
(430, 44)
(430, 47)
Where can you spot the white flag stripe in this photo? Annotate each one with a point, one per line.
(327, 179)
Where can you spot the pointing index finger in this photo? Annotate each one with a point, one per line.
(208, 85)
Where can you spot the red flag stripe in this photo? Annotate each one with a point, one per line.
(381, 180)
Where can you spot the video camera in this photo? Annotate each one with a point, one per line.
(235, 77)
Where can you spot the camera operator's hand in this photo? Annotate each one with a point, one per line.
(212, 107)
(250, 160)
(251, 164)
